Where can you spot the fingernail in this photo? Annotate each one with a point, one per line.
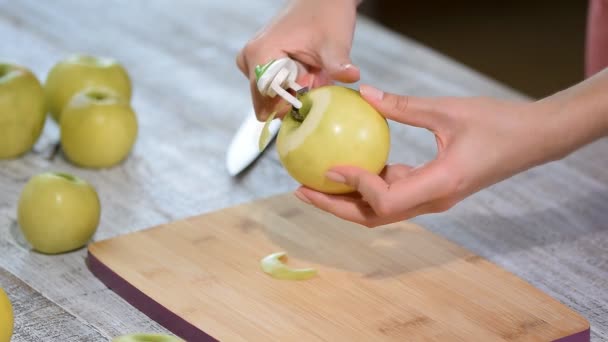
(334, 176)
(371, 92)
(302, 197)
(345, 66)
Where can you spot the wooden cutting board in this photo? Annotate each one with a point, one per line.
(200, 277)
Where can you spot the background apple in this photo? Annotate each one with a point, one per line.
(22, 110)
(98, 128)
(340, 128)
(58, 212)
(6, 317)
(77, 72)
(147, 338)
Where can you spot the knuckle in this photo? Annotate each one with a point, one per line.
(399, 103)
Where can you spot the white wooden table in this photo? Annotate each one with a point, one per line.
(548, 226)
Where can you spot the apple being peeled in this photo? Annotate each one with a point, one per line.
(22, 110)
(58, 212)
(339, 128)
(98, 128)
(6, 317)
(147, 338)
(77, 72)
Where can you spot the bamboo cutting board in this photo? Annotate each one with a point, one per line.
(200, 277)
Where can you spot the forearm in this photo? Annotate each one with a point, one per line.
(576, 116)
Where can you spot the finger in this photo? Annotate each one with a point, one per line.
(421, 185)
(241, 63)
(372, 187)
(414, 111)
(335, 60)
(355, 209)
(392, 173)
(346, 207)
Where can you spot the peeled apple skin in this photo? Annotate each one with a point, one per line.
(273, 265)
(6, 317)
(341, 129)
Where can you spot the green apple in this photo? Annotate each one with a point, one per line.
(335, 126)
(147, 338)
(98, 128)
(58, 212)
(6, 317)
(22, 110)
(77, 72)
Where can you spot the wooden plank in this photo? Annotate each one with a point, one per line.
(38, 319)
(174, 51)
(399, 282)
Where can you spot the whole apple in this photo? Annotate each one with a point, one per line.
(77, 72)
(147, 338)
(336, 126)
(58, 212)
(98, 128)
(22, 110)
(6, 317)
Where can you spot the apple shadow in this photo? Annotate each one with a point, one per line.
(312, 236)
(429, 241)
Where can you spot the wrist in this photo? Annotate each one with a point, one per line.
(575, 117)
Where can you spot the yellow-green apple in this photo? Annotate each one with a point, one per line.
(147, 338)
(6, 317)
(335, 126)
(22, 110)
(79, 71)
(58, 212)
(98, 128)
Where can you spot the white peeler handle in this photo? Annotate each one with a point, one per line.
(276, 76)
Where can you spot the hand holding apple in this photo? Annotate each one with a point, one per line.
(339, 128)
(77, 72)
(22, 110)
(58, 212)
(98, 128)
(480, 141)
(6, 317)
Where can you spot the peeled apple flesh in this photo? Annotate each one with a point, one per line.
(339, 128)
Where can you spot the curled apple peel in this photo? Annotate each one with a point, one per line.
(273, 265)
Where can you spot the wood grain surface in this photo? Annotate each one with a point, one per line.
(548, 225)
(396, 283)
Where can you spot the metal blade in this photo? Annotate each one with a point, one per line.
(244, 148)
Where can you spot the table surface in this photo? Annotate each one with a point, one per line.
(547, 225)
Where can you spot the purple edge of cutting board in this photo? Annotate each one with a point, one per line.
(145, 304)
(181, 327)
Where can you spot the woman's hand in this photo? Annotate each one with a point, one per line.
(480, 141)
(315, 33)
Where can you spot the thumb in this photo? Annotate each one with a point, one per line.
(410, 110)
(336, 62)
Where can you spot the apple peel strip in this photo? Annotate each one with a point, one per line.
(273, 265)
